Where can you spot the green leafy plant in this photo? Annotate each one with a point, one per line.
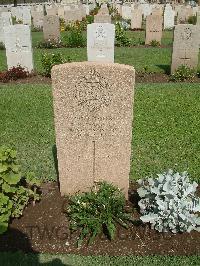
(154, 43)
(98, 211)
(49, 60)
(183, 73)
(169, 203)
(15, 189)
(75, 37)
(62, 24)
(121, 38)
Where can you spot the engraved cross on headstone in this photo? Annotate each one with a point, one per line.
(185, 58)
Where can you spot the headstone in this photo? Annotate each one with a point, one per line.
(102, 18)
(153, 29)
(198, 18)
(185, 46)
(19, 46)
(5, 20)
(93, 122)
(126, 12)
(26, 16)
(52, 11)
(38, 18)
(146, 9)
(61, 12)
(136, 20)
(51, 28)
(72, 15)
(100, 42)
(169, 16)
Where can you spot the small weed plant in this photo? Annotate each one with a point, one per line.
(97, 211)
(183, 73)
(16, 190)
(155, 43)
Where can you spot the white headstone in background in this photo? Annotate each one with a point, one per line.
(169, 15)
(5, 20)
(26, 16)
(126, 12)
(100, 42)
(146, 9)
(19, 46)
(136, 20)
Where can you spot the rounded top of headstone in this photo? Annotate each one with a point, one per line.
(92, 64)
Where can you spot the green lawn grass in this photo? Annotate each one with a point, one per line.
(165, 130)
(16, 259)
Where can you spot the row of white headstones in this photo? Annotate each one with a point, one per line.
(100, 45)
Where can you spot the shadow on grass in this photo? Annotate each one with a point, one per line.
(166, 68)
(16, 249)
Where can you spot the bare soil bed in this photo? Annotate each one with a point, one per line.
(45, 228)
(141, 77)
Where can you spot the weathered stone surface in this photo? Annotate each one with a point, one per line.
(100, 42)
(26, 16)
(136, 20)
(93, 105)
(169, 16)
(5, 20)
(51, 28)
(153, 29)
(185, 46)
(19, 46)
(126, 11)
(38, 18)
(102, 18)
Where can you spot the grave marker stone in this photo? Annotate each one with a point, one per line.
(51, 28)
(153, 29)
(5, 20)
(136, 20)
(185, 46)
(169, 16)
(93, 122)
(19, 46)
(100, 42)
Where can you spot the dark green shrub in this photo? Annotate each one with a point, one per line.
(183, 73)
(90, 19)
(98, 211)
(2, 46)
(16, 190)
(192, 20)
(49, 60)
(121, 38)
(75, 37)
